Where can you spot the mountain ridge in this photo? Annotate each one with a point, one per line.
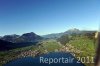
(69, 32)
(26, 37)
(31, 36)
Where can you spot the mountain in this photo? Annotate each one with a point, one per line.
(10, 38)
(53, 36)
(32, 37)
(71, 31)
(57, 35)
(0, 36)
(68, 32)
(8, 42)
(5, 45)
(27, 37)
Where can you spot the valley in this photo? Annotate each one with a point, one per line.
(76, 44)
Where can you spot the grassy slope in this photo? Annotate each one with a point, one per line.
(85, 45)
(50, 46)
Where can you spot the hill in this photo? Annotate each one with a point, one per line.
(68, 32)
(4, 45)
(26, 37)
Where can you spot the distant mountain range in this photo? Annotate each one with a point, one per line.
(27, 37)
(69, 32)
(14, 41)
(32, 37)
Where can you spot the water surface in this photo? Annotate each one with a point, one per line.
(30, 61)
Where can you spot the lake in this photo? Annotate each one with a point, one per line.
(50, 59)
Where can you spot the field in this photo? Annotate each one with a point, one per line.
(83, 48)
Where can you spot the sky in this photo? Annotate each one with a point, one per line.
(48, 16)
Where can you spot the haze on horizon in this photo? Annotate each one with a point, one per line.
(48, 16)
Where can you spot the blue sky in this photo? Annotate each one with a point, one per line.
(48, 16)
